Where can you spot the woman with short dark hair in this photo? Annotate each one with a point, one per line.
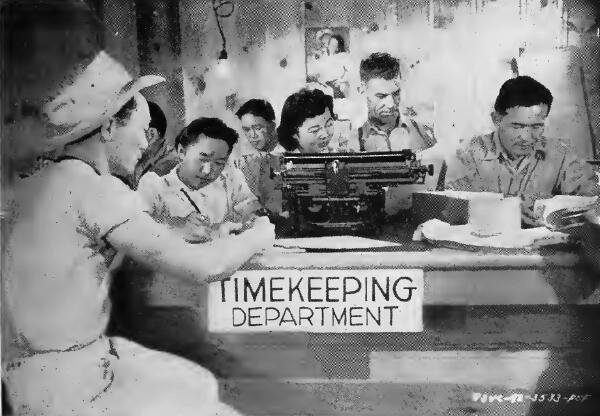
(307, 122)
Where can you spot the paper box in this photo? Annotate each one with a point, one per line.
(485, 211)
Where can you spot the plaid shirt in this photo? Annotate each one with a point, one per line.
(551, 169)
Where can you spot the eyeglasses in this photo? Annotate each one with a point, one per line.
(329, 128)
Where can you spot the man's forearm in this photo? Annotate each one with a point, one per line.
(161, 249)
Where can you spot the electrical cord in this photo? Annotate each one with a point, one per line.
(222, 9)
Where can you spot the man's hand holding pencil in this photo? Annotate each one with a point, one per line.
(195, 228)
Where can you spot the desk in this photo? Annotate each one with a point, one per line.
(494, 321)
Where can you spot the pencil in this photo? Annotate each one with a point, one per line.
(204, 217)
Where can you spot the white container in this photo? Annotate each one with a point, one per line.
(491, 213)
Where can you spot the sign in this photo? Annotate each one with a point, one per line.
(367, 300)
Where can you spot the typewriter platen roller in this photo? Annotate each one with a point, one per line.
(342, 193)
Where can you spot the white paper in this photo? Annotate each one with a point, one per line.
(436, 230)
(342, 242)
(571, 203)
(470, 196)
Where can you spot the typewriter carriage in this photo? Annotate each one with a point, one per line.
(342, 193)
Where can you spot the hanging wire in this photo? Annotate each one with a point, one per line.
(222, 9)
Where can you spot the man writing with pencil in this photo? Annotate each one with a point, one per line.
(70, 223)
(203, 198)
(200, 197)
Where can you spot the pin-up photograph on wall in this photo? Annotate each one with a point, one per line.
(327, 59)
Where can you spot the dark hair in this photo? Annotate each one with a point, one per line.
(157, 118)
(379, 65)
(341, 43)
(122, 116)
(258, 108)
(522, 91)
(297, 108)
(210, 127)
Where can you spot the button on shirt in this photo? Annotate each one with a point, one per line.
(57, 276)
(551, 169)
(228, 198)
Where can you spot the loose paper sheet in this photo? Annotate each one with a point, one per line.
(342, 242)
(436, 230)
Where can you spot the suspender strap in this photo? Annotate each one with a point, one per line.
(429, 141)
(361, 142)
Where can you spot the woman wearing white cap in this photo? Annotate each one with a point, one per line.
(69, 221)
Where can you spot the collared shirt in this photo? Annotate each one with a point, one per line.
(159, 157)
(550, 169)
(252, 163)
(255, 164)
(228, 198)
(407, 134)
(270, 187)
(59, 262)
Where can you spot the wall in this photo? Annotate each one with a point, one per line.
(586, 15)
(159, 49)
(462, 61)
(144, 36)
(119, 18)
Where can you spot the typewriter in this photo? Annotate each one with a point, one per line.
(342, 193)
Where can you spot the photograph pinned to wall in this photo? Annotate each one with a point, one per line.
(328, 60)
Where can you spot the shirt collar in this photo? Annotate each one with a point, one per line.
(272, 145)
(369, 127)
(246, 148)
(495, 150)
(173, 179)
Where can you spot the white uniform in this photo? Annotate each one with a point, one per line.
(56, 359)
